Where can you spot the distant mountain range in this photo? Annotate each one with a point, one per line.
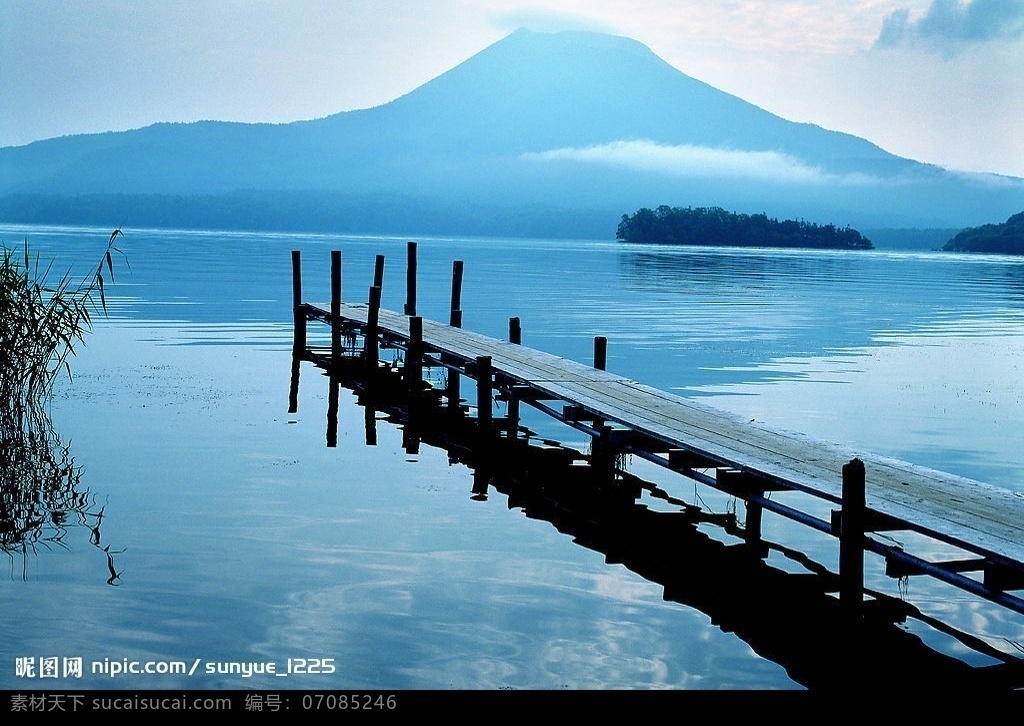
(554, 134)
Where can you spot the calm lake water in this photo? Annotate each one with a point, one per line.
(239, 536)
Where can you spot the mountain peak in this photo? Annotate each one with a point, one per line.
(532, 91)
(570, 120)
(577, 38)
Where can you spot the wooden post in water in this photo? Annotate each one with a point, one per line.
(370, 348)
(333, 380)
(600, 352)
(378, 272)
(600, 363)
(484, 373)
(752, 525)
(299, 331)
(455, 318)
(414, 356)
(602, 456)
(335, 308)
(515, 331)
(515, 335)
(453, 388)
(851, 537)
(410, 280)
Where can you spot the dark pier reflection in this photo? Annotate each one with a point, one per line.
(794, 620)
(42, 498)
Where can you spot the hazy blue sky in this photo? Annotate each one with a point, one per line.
(940, 81)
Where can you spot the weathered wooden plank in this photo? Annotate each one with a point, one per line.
(955, 508)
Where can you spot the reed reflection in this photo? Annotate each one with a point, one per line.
(41, 494)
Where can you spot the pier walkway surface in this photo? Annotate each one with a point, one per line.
(978, 517)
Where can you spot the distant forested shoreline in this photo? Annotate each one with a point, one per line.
(1002, 239)
(315, 212)
(716, 227)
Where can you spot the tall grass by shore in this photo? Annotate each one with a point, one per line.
(43, 320)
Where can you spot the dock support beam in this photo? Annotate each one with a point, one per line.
(410, 280)
(752, 524)
(515, 331)
(378, 272)
(334, 378)
(371, 350)
(453, 391)
(600, 363)
(602, 456)
(414, 356)
(600, 353)
(515, 336)
(335, 307)
(484, 374)
(299, 331)
(851, 537)
(455, 317)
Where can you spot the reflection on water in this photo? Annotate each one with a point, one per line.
(794, 303)
(41, 493)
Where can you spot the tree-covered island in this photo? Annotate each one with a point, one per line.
(1000, 239)
(716, 227)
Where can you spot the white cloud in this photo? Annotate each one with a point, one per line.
(699, 161)
(948, 25)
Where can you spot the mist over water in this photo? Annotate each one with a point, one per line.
(241, 537)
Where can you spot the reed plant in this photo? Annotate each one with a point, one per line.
(43, 320)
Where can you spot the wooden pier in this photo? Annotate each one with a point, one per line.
(981, 525)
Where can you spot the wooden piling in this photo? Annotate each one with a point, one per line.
(410, 280)
(752, 525)
(455, 318)
(600, 363)
(600, 353)
(299, 332)
(335, 308)
(334, 379)
(453, 388)
(414, 356)
(851, 537)
(602, 455)
(484, 374)
(515, 331)
(371, 350)
(378, 272)
(515, 335)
